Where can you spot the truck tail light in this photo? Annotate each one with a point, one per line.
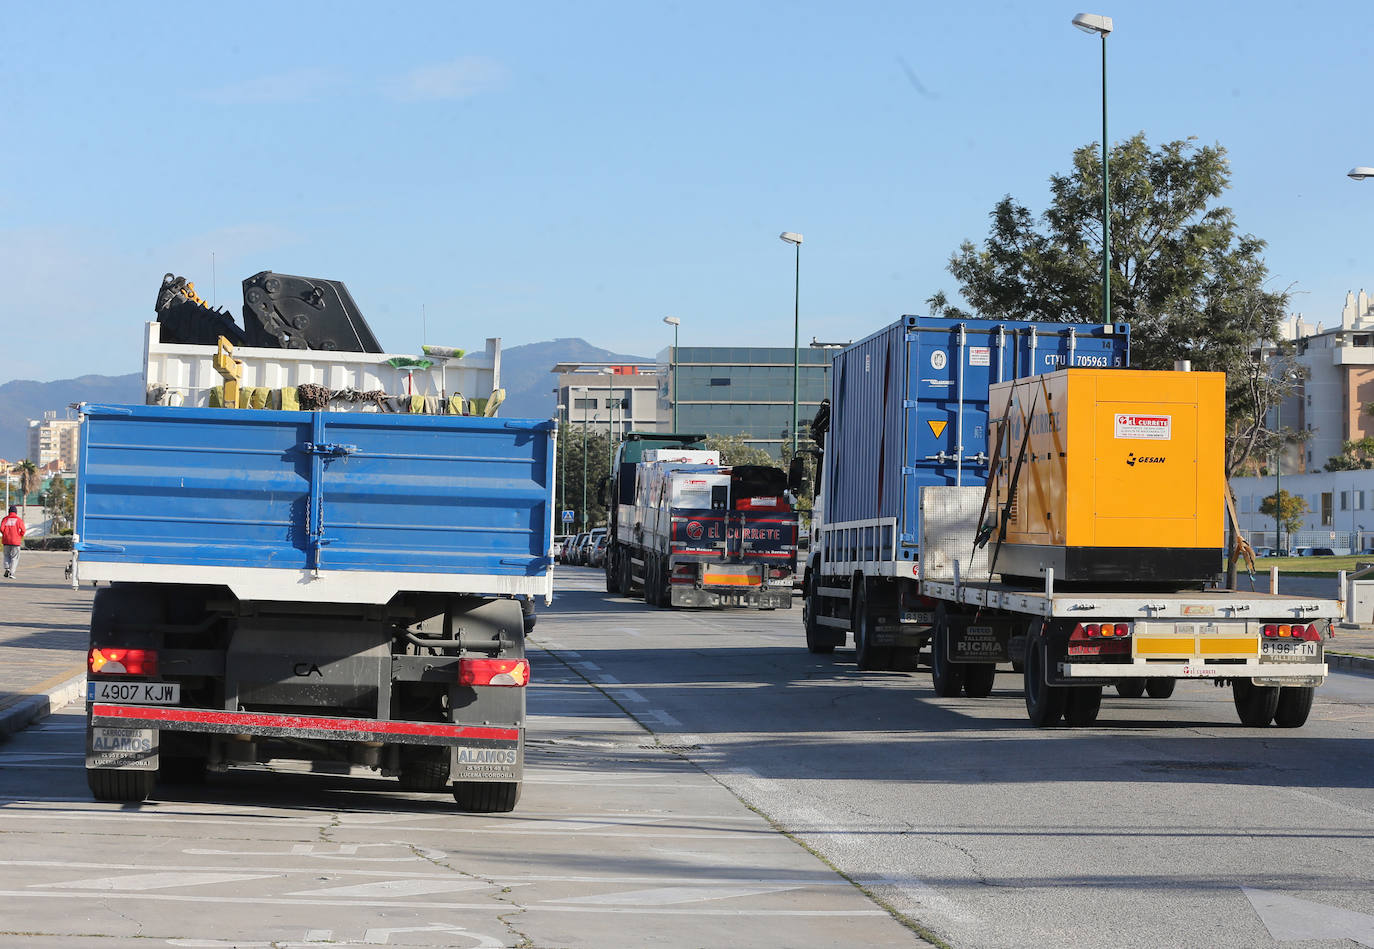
(494, 672)
(134, 662)
(1084, 631)
(1294, 631)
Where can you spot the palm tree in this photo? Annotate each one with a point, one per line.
(29, 478)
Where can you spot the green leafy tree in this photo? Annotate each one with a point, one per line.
(59, 503)
(734, 450)
(570, 450)
(1291, 510)
(1355, 456)
(1191, 286)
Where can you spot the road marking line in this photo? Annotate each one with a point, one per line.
(672, 895)
(587, 664)
(663, 717)
(398, 888)
(608, 680)
(156, 881)
(1290, 918)
(629, 695)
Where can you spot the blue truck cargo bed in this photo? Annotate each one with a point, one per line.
(317, 506)
(909, 408)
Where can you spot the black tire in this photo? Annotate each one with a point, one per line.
(180, 771)
(1255, 704)
(663, 598)
(816, 640)
(612, 575)
(1160, 688)
(946, 677)
(1081, 704)
(1295, 704)
(650, 588)
(1044, 702)
(423, 774)
(870, 657)
(627, 579)
(486, 797)
(111, 784)
(979, 678)
(1131, 688)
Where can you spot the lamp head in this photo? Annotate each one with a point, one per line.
(1093, 23)
(672, 321)
(1361, 172)
(790, 237)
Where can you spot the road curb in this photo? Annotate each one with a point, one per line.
(39, 706)
(1358, 665)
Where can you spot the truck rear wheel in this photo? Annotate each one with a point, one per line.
(114, 784)
(816, 642)
(1256, 704)
(1295, 704)
(1044, 702)
(424, 772)
(1081, 704)
(946, 677)
(1130, 688)
(486, 797)
(1160, 688)
(870, 657)
(979, 678)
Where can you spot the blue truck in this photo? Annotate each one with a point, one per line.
(343, 588)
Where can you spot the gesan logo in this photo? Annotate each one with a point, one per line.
(1132, 459)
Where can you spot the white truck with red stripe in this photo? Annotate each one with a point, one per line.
(345, 588)
(702, 534)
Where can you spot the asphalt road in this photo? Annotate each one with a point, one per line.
(1167, 824)
(697, 779)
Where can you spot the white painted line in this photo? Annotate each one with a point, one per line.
(398, 888)
(155, 881)
(664, 717)
(628, 695)
(587, 664)
(672, 895)
(608, 680)
(382, 937)
(450, 907)
(1289, 918)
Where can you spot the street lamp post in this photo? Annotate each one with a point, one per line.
(674, 322)
(583, 390)
(1278, 499)
(610, 423)
(563, 460)
(796, 241)
(1102, 25)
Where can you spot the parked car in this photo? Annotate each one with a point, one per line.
(1316, 552)
(1264, 551)
(597, 556)
(560, 542)
(575, 546)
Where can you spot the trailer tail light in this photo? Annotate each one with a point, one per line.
(493, 672)
(134, 662)
(1294, 631)
(1100, 639)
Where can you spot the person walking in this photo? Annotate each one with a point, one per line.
(12, 532)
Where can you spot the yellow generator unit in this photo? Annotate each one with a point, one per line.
(1110, 475)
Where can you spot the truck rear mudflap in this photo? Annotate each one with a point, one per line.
(126, 736)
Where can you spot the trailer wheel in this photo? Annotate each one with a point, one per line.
(870, 657)
(979, 678)
(114, 784)
(1159, 688)
(1295, 704)
(486, 797)
(1131, 688)
(946, 677)
(816, 642)
(1044, 702)
(424, 775)
(627, 576)
(612, 575)
(1256, 704)
(1081, 704)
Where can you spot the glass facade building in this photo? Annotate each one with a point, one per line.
(744, 390)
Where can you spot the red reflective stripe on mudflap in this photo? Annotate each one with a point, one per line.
(250, 720)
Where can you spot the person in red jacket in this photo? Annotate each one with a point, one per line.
(12, 533)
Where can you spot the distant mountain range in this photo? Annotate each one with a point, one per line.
(525, 376)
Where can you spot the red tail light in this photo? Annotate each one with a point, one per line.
(1099, 631)
(1295, 631)
(134, 662)
(494, 672)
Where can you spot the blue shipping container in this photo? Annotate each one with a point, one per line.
(909, 406)
(307, 491)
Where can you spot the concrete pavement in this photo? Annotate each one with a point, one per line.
(43, 629)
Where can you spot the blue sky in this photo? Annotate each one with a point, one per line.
(539, 170)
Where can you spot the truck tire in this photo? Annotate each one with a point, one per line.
(1044, 702)
(1159, 688)
(1256, 704)
(1295, 704)
(650, 580)
(1081, 705)
(627, 576)
(871, 658)
(946, 677)
(979, 678)
(114, 784)
(486, 797)
(424, 775)
(1130, 688)
(612, 575)
(816, 642)
(179, 770)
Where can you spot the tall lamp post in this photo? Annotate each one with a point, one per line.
(1278, 500)
(610, 422)
(583, 390)
(674, 322)
(796, 241)
(1102, 25)
(563, 415)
